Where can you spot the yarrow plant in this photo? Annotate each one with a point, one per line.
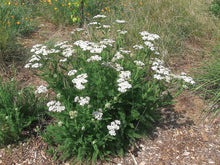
(108, 93)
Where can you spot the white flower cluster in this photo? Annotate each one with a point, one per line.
(82, 100)
(35, 58)
(161, 71)
(149, 36)
(138, 47)
(123, 83)
(165, 73)
(41, 89)
(39, 49)
(55, 106)
(106, 26)
(125, 51)
(139, 63)
(99, 16)
(113, 127)
(63, 60)
(35, 65)
(94, 58)
(120, 21)
(185, 78)
(80, 80)
(60, 43)
(122, 32)
(107, 42)
(117, 56)
(90, 46)
(93, 23)
(98, 114)
(72, 72)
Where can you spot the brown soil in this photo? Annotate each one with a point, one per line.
(185, 136)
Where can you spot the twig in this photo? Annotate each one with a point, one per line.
(135, 162)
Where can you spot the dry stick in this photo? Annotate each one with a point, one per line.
(135, 162)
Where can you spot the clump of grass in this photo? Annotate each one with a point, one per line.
(208, 80)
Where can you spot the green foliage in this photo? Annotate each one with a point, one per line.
(19, 110)
(215, 8)
(15, 20)
(208, 80)
(70, 12)
(105, 101)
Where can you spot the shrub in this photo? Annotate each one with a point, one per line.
(107, 93)
(20, 110)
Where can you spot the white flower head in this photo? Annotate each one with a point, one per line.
(94, 58)
(123, 86)
(120, 21)
(82, 100)
(60, 43)
(98, 115)
(36, 65)
(80, 80)
(138, 47)
(106, 26)
(122, 32)
(72, 72)
(113, 127)
(117, 56)
(63, 60)
(55, 106)
(107, 42)
(99, 16)
(139, 63)
(41, 89)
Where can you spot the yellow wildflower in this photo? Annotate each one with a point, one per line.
(17, 22)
